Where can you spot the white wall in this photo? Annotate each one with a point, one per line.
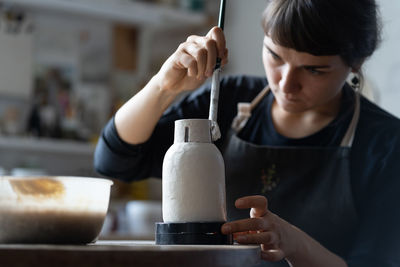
(15, 64)
(244, 36)
(244, 40)
(383, 68)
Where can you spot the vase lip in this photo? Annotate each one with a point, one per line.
(197, 119)
(192, 130)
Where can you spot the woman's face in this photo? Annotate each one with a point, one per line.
(300, 81)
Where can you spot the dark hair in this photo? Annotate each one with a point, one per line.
(348, 28)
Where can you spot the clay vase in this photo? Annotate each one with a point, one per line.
(193, 176)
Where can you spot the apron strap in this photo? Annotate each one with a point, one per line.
(244, 110)
(244, 113)
(348, 138)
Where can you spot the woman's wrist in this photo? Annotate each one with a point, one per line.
(164, 97)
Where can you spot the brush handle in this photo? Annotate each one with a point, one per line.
(214, 97)
(221, 22)
(215, 132)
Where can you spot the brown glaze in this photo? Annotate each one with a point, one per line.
(38, 187)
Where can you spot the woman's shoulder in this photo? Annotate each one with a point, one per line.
(378, 129)
(375, 152)
(376, 118)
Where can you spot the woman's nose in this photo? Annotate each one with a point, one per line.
(289, 82)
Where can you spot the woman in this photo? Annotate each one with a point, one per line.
(313, 160)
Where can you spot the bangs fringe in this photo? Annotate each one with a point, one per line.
(293, 26)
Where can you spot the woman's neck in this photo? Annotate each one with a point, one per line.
(302, 124)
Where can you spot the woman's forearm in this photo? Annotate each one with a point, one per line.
(310, 253)
(137, 118)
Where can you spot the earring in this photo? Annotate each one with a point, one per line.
(355, 83)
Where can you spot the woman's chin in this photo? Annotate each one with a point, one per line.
(291, 106)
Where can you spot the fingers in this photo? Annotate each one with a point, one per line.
(194, 58)
(269, 241)
(186, 61)
(258, 213)
(253, 224)
(208, 53)
(224, 59)
(264, 228)
(266, 238)
(217, 34)
(257, 204)
(272, 255)
(205, 50)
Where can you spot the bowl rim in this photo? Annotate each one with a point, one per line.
(56, 177)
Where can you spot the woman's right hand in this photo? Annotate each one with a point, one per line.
(193, 62)
(184, 70)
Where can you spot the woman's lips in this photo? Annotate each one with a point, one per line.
(286, 97)
(290, 98)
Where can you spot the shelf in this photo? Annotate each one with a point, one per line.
(48, 156)
(123, 11)
(45, 145)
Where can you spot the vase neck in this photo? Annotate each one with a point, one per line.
(192, 130)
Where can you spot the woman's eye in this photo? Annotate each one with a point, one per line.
(274, 56)
(314, 71)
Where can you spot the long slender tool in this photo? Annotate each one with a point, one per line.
(215, 82)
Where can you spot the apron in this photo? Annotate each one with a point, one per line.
(310, 187)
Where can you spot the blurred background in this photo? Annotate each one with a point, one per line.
(67, 65)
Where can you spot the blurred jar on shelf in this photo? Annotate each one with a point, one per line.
(10, 121)
(192, 5)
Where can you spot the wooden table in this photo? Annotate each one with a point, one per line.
(126, 254)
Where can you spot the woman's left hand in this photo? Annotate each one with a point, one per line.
(276, 236)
